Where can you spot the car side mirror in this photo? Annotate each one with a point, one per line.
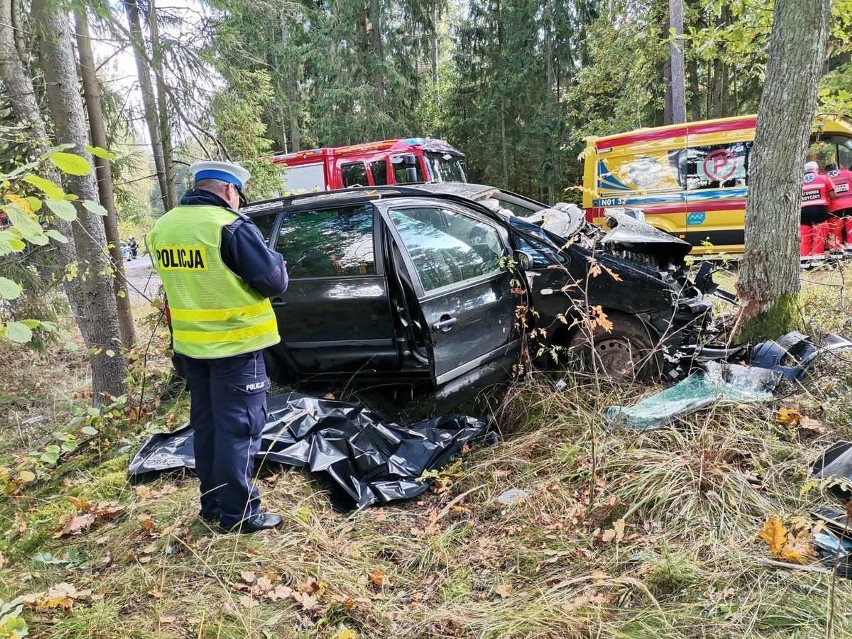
(523, 259)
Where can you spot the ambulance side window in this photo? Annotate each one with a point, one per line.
(354, 174)
(715, 166)
(379, 169)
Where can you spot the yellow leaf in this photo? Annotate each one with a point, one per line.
(774, 534)
(799, 549)
(504, 590)
(346, 633)
(789, 416)
(378, 578)
(21, 202)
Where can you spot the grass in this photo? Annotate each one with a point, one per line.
(552, 564)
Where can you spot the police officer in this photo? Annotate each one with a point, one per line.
(840, 204)
(218, 274)
(813, 227)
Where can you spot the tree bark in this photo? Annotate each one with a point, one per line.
(92, 97)
(678, 77)
(22, 96)
(149, 103)
(162, 105)
(768, 282)
(97, 307)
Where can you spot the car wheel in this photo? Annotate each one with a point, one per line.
(626, 352)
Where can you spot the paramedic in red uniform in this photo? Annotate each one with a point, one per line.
(814, 221)
(840, 205)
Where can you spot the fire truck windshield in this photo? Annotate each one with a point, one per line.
(444, 167)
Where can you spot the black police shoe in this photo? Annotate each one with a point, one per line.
(260, 521)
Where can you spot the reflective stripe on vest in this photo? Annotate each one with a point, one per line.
(214, 313)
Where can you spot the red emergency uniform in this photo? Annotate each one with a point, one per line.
(814, 227)
(840, 206)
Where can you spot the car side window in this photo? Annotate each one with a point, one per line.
(329, 242)
(447, 247)
(354, 174)
(265, 223)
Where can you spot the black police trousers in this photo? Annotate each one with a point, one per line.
(227, 415)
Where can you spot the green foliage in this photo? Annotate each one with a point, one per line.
(12, 623)
(238, 113)
(31, 204)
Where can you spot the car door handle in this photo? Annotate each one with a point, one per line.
(445, 323)
(278, 301)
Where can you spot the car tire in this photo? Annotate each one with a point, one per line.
(627, 352)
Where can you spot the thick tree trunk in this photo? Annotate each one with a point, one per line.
(768, 283)
(149, 103)
(92, 96)
(162, 106)
(97, 306)
(22, 96)
(678, 77)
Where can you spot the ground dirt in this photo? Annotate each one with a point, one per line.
(617, 533)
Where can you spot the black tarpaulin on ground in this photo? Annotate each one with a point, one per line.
(366, 460)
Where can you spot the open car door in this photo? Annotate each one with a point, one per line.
(453, 258)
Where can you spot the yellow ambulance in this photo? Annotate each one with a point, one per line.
(690, 179)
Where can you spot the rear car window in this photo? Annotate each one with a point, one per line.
(329, 242)
(379, 169)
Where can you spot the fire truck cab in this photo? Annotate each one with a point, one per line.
(401, 161)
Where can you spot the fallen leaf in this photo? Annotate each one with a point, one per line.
(280, 592)
(378, 578)
(146, 522)
(62, 595)
(246, 601)
(346, 633)
(785, 545)
(774, 534)
(167, 619)
(504, 590)
(75, 525)
(306, 601)
(608, 535)
(80, 504)
(618, 527)
(264, 584)
(156, 594)
(789, 416)
(248, 576)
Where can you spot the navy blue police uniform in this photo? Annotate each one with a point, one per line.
(228, 394)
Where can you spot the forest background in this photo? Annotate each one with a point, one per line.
(517, 86)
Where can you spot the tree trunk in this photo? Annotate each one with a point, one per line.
(92, 97)
(678, 77)
(22, 96)
(148, 101)
(18, 27)
(162, 104)
(768, 283)
(97, 306)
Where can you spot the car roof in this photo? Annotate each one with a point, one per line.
(353, 195)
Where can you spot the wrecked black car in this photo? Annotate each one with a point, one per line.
(423, 285)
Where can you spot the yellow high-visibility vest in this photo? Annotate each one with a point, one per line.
(214, 312)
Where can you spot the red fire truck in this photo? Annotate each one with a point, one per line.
(374, 163)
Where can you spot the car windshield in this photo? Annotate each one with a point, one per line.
(444, 167)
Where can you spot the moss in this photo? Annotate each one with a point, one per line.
(41, 525)
(782, 317)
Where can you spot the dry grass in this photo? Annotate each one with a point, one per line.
(688, 564)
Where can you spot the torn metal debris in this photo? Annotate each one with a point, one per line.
(364, 460)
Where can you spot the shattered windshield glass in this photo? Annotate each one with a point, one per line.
(444, 167)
